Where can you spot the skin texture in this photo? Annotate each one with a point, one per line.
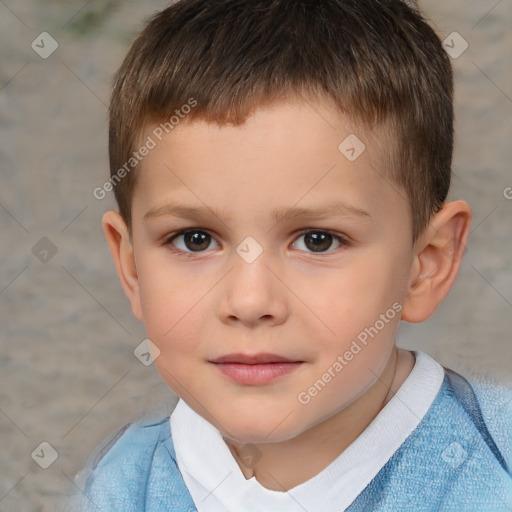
(308, 306)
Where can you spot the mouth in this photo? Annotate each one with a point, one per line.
(255, 369)
(253, 359)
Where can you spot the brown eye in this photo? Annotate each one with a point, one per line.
(319, 241)
(192, 241)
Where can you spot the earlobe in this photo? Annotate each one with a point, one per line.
(120, 244)
(438, 254)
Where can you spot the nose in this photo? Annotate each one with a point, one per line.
(252, 295)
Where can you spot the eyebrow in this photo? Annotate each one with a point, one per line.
(333, 209)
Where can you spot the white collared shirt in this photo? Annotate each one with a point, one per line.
(217, 484)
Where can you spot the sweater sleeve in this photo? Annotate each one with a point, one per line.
(496, 404)
(115, 477)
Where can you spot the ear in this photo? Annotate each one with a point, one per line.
(437, 256)
(120, 243)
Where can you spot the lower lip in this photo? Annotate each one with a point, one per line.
(256, 373)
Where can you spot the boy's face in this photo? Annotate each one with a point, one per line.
(307, 297)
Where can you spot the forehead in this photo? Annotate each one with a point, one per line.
(286, 153)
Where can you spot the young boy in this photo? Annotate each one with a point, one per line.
(281, 169)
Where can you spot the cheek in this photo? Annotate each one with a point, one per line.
(357, 296)
(360, 310)
(169, 305)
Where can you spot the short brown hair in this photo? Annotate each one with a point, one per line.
(378, 60)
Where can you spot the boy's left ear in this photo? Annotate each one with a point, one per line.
(437, 256)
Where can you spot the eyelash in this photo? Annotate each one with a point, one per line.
(169, 239)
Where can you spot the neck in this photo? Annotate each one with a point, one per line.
(281, 466)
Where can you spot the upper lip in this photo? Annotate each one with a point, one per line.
(253, 359)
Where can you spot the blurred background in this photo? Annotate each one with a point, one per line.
(69, 376)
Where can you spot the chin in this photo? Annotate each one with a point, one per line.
(260, 430)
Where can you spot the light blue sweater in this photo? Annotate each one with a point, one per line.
(458, 459)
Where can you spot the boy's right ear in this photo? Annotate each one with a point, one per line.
(119, 241)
